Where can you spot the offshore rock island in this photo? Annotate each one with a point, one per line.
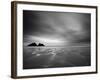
(34, 44)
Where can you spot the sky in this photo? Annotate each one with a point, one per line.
(56, 28)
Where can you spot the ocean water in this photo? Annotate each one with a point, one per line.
(53, 57)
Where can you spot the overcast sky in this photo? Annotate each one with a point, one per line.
(56, 28)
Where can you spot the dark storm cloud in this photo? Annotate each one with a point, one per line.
(35, 23)
(68, 26)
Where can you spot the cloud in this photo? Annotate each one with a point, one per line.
(66, 26)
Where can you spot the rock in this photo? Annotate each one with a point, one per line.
(32, 44)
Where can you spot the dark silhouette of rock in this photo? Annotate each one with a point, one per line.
(41, 44)
(32, 44)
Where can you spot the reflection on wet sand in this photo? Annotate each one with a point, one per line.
(52, 57)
